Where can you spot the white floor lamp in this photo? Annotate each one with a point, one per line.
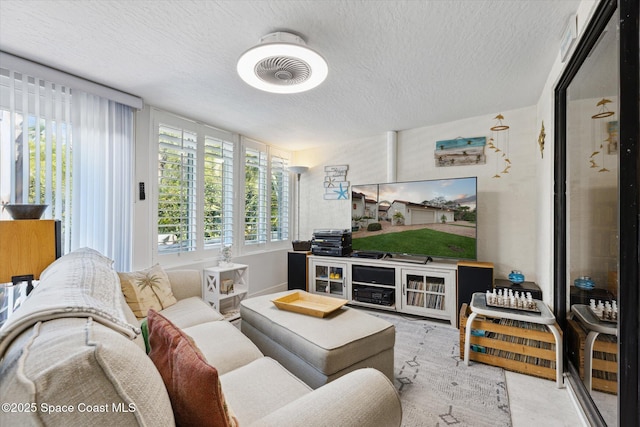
(298, 170)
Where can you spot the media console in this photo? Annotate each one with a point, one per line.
(423, 289)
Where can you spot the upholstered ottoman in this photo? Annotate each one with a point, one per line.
(319, 350)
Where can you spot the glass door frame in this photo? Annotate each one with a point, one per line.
(629, 200)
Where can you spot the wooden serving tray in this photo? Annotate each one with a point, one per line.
(309, 304)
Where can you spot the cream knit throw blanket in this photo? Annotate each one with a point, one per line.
(80, 284)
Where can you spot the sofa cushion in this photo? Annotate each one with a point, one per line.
(260, 388)
(190, 312)
(81, 364)
(223, 345)
(185, 283)
(140, 339)
(193, 385)
(80, 284)
(365, 397)
(147, 289)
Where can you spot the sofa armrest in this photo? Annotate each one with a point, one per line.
(185, 283)
(364, 398)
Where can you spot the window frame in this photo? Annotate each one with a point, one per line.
(285, 210)
(202, 131)
(268, 243)
(240, 143)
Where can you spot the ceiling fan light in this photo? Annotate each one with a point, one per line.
(282, 63)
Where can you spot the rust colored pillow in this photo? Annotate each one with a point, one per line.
(193, 385)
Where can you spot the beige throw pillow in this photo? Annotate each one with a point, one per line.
(147, 289)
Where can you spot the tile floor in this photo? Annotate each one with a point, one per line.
(536, 402)
(527, 395)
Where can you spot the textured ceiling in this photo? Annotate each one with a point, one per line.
(393, 65)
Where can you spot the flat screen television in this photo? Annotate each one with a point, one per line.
(432, 218)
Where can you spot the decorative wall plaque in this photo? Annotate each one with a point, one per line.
(336, 186)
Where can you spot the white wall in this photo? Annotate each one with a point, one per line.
(367, 165)
(515, 228)
(507, 211)
(515, 212)
(142, 209)
(267, 270)
(544, 176)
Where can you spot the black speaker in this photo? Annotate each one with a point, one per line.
(297, 270)
(472, 277)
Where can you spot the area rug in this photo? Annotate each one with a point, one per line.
(436, 388)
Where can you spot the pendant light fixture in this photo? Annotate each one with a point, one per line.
(282, 63)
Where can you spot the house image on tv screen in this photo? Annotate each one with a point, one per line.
(433, 217)
(402, 212)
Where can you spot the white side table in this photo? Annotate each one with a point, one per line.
(595, 327)
(545, 317)
(228, 304)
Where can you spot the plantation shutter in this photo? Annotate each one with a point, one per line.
(177, 189)
(218, 192)
(255, 226)
(279, 196)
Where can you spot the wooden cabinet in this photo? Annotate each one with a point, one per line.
(28, 247)
(524, 347)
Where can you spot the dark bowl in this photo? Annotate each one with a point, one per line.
(301, 245)
(25, 211)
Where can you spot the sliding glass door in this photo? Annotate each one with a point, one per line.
(596, 205)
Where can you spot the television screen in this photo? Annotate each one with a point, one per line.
(435, 218)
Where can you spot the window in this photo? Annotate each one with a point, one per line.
(195, 186)
(213, 191)
(35, 147)
(255, 186)
(177, 189)
(266, 213)
(280, 179)
(71, 150)
(218, 192)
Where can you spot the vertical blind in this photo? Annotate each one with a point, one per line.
(102, 177)
(72, 151)
(35, 147)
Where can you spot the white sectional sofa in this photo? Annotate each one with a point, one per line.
(72, 354)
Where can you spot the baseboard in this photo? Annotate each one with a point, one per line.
(273, 289)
